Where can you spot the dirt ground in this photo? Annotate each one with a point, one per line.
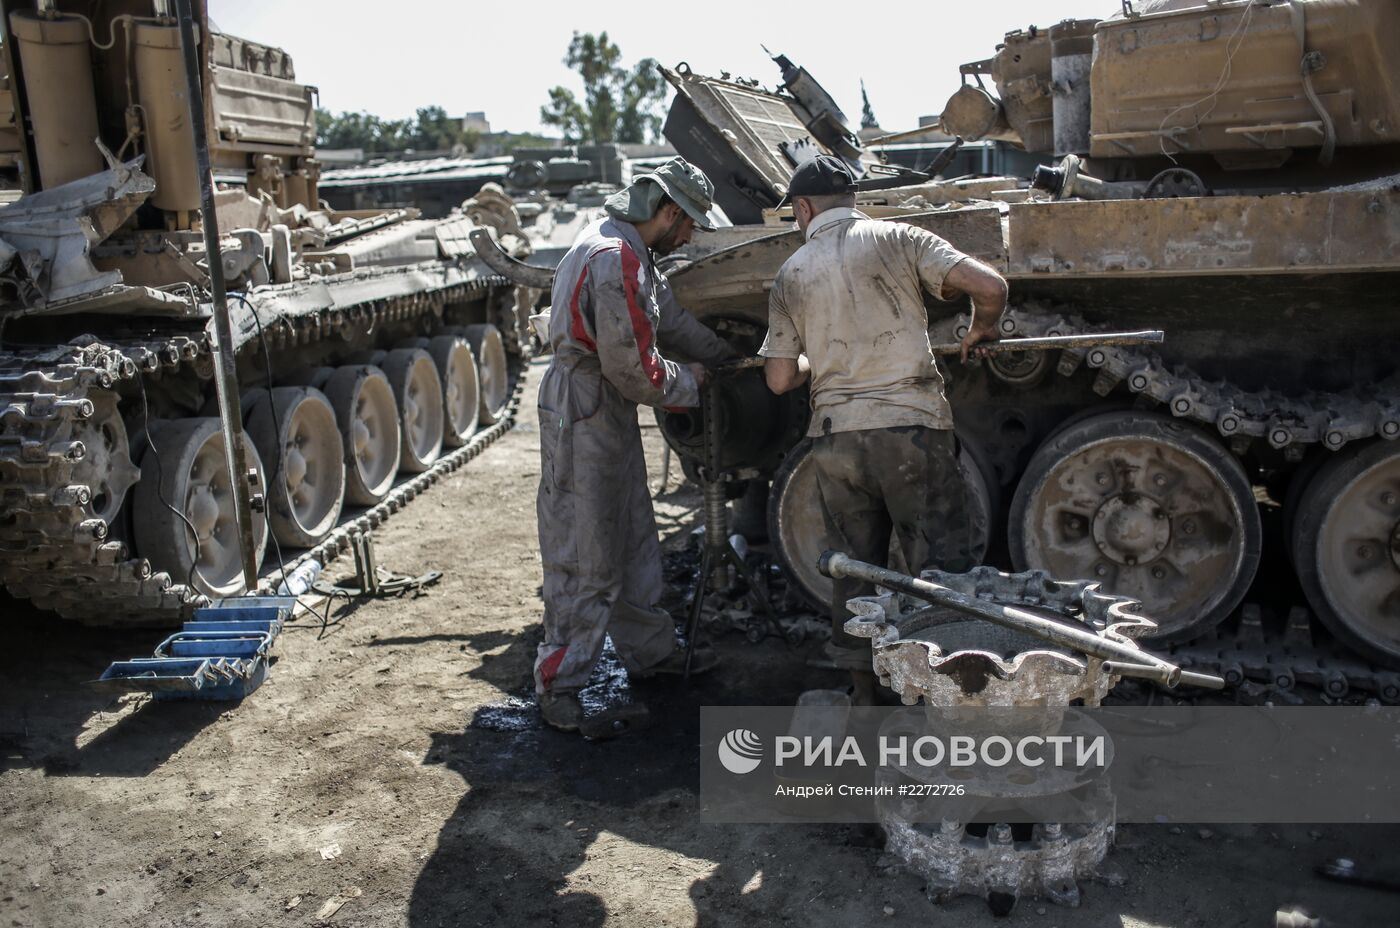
(391, 764)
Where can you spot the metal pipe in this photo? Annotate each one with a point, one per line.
(1152, 672)
(1038, 343)
(225, 371)
(836, 565)
(1052, 342)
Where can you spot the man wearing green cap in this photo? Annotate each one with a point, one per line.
(612, 311)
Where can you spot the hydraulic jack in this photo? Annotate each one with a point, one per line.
(717, 551)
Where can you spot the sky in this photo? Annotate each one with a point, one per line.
(503, 56)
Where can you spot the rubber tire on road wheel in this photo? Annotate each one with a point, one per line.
(296, 432)
(461, 387)
(348, 388)
(1202, 450)
(161, 536)
(414, 377)
(1324, 499)
(494, 377)
(798, 535)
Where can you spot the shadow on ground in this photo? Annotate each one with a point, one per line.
(53, 718)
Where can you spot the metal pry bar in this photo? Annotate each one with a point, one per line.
(1039, 343)
(1052, 342)
(1123, 659)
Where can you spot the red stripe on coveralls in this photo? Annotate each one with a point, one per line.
(549, 667)
(652, 364)
(576, 329)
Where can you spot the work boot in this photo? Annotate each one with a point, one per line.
(673, 664)
(561, 710)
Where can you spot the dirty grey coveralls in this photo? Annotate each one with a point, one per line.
(883, 450)
(598, 541)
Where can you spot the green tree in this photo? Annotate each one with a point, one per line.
(619, 104)
(434, 130)
(430, 130)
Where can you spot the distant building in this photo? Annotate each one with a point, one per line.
(476, 121)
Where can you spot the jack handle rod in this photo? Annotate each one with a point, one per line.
(836, 565)
(1038, 343)
(1052, 342)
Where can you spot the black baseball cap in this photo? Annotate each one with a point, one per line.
(823, 176)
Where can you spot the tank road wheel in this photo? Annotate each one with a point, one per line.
(490, 354)
(418, 390)
(106, 468)
(296, 434)
(368, 417)
(461, 393)
(796, 529)
(1151, 508)
(1346, 548)
(190, 474)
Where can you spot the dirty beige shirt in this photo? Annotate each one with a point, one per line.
(851, 299)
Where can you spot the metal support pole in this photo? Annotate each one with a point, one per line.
(225, 372)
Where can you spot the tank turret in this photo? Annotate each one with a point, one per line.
(1250, 94)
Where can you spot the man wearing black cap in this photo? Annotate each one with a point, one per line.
(847, 312)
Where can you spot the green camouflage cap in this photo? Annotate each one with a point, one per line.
(680, 180)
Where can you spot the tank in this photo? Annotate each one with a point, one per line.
(1228, 173)
(371, 346)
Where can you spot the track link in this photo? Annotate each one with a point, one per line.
(1238, 415)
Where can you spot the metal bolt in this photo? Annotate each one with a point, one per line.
(1189, 526)
(1051, 830)
(1101, 571)
(1388, 498)
(949, 826)
(1101, 478)
(1160, 479)
(1363, 552)
(1130, 560)
(1001, 834)
(1159, 573)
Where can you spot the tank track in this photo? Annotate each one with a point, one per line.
(1290, 424)
(1238, 415)
(55, 550)
(1283, 660)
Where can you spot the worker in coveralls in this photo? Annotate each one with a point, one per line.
(611, 314)
(847, 312)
